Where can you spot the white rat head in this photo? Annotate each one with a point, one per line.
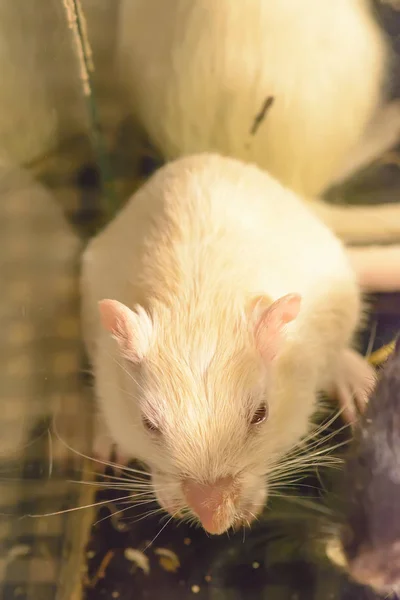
(199, 388)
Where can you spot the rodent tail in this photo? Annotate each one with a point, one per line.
(367, 224)
(361, 225)
(382, 134)
(377, 267)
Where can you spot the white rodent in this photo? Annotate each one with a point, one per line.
(215, 307)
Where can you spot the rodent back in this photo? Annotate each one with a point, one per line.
(233, 220)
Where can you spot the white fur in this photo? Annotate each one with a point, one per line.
(196, 73)
(194, 247)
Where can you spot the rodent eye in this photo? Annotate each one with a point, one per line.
(260, 415)
(150, 426)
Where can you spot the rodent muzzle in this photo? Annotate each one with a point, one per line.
(213, 503)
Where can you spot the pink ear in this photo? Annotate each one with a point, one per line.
(269, 327)
(130, 329)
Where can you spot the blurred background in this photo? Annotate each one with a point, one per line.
(59, 120)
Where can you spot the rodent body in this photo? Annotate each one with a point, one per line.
(230, 306)
(288, 84)
(370, 543)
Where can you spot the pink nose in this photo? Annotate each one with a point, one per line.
(212, 503)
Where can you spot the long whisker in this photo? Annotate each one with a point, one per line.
(127, 485)
(305, 460)
(133, 503)
(306, 454)
(161, 530)
(292, 483)
(143, 516)
(315, 440)
(324, 455)
(306, 502)
(50, 441)
(130, 375)
(371, 342)
(281, 480)
(127, 477)
(321, 482)
(68, 510)
(302, 463)
(133, 497)
(317, 431)
(302, 460)
(118, 512)
(302, 470)
(20, 449)
(91, 458)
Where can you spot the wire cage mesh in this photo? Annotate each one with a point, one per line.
(55, 187)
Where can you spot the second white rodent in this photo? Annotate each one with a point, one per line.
(215, 307)
(199, 75)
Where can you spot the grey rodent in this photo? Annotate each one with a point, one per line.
(369, 543)
(216, 306)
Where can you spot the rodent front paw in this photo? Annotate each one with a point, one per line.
(353, 385)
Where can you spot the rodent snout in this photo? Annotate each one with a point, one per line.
(213, 503)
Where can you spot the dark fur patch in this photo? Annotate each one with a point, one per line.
(372, 478)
